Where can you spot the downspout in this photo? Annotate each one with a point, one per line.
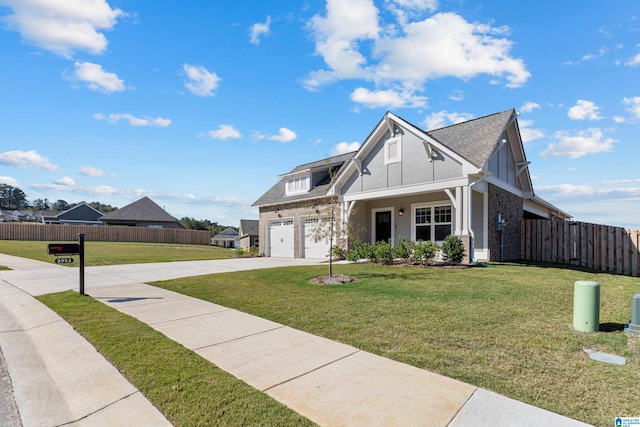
(470, 216)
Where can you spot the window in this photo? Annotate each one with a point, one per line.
(297, 185)
(432, 222)
(392, 150)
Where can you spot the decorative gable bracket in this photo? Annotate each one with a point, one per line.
(431, 151)
(522, 166)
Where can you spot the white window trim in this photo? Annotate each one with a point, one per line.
(398, 157)
(373, 224)
(432, 224)
(305, 182)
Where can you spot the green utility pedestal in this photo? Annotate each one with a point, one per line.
(586, 306)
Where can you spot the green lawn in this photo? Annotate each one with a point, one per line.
(107, 253)
(506, 328)
(187, 389)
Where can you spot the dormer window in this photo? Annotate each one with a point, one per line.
(297, 185)
(393, 150)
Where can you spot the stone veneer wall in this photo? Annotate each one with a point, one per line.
(510, 207)
(293, 211)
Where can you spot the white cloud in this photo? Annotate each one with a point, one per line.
(337, 35)
(456, 95)
(601, 52)
(528, 133)
(345, 147)
(27, 159)
(591, 141)
(387, 98)
(96, 78)
(444, 118)
(9, 181)
(200, 81)
(284, 135)
(92, 172)
(633, 62)
(356, 45)
(65, 180)
(634, 106)
(114, 118)
(404, 10)
(224, 132)
(584, 110)
(63, 27)
(529, 106)
(258, 30)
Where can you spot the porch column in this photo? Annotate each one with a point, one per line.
(457, 202)
(466, 210)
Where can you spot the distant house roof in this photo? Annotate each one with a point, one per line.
(227, 234)
(80, 213)
(143, 210)
(249, 227)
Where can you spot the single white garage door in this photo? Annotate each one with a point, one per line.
(281, 239)
(313, 249)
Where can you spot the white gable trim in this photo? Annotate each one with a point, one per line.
(406, 190)
(385, 125)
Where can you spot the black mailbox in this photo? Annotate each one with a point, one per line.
(63, 249)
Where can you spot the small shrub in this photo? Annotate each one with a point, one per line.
(404, 249)
(453, 250)
(385, 253)
(424, 252)
(368, 251)
(240, 252)
(254, 251)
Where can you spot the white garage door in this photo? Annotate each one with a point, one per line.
(281, 239)
(313, 249)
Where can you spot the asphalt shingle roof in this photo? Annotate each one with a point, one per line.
(144, 209)
(474, 140)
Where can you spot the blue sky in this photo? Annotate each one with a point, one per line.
(200, 105)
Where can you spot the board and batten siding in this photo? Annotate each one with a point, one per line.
(414, 167)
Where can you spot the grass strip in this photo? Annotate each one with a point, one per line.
(118, 253)
(507, 328)
(187, 389)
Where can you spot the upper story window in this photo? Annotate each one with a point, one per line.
(297, 185)
(393, 150)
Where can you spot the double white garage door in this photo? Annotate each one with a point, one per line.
(282, 242)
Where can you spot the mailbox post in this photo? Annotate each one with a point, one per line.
(58, 249)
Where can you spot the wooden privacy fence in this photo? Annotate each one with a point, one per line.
(44, 232)
(600, 247)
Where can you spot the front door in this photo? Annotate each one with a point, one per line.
(383, 226)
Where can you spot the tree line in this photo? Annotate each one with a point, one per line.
(13, 198)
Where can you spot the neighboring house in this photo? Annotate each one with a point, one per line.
(229, 238)
(470, 180)
(81, 214)
(249, 230)
(142, 213)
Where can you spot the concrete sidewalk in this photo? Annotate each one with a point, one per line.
(330, 383)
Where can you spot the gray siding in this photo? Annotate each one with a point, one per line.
(502, 165)
(477, 220)
(414, 167)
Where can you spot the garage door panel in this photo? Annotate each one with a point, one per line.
(281, 239)
(313, 249)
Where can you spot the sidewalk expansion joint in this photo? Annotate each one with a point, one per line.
(312, 370)
(239, 338)
(188, 317)
(462, 407)
(98, 410)
(33, 327)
